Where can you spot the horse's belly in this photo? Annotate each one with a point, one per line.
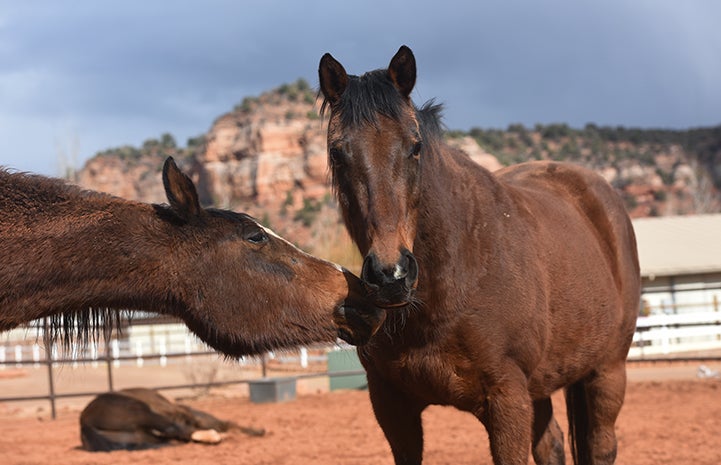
(561, 368)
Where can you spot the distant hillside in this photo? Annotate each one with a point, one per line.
(268, 157)
(658, 172)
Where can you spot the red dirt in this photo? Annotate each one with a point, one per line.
(667, 421)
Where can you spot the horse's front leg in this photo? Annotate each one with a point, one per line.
(507, 414)
(400, 420)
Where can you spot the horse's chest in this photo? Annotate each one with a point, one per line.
(433, 378)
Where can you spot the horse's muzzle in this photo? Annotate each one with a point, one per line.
(390, 286)
(357, 326)
(356, 318)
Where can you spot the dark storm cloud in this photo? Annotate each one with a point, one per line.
(117, 73)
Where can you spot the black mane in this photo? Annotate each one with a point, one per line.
(372, 94)
(367, 96)
(430, 120)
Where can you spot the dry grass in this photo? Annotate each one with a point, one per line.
(331, 242)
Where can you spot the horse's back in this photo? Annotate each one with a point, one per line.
(585, 200)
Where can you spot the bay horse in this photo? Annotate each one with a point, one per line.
(501, 288)
(139, 418)
(78, 257)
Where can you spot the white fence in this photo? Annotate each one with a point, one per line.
(656, 336)
(140, 342)
(157, 344)
(141, 345)
(661, 335)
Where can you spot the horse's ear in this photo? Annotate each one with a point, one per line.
(402, 70)
(333, 78)
(182, 196)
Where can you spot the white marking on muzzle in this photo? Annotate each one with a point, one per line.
(397, 272)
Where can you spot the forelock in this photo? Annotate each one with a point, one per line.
(367, 96)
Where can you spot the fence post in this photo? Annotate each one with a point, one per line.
(163, 351)
(116, 353)
(304, 357)
(36, 356)
(94, 354)
(109, 363)
(74, 353)
(666, 340)
(18, 356)
(51, 384)
(187, 349)
(139, 353)
(716, 309)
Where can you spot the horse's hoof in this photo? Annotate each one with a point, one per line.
(206, 436)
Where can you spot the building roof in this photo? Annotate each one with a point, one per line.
(679, 245)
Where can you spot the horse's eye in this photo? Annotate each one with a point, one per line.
(336, 155)
(416, 150)
(257, 237)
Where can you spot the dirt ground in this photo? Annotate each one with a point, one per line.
(670, 416)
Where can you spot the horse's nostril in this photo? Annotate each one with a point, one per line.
(406, 270)
(369, 272)
(412, 276)
(374, 273)
(411, 267)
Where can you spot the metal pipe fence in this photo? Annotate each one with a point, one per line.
(112, 359)
(658, 338)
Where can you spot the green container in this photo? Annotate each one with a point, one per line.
(342, 361)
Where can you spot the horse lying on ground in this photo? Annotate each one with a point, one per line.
(501, 288)
(138, 418)
(77, 257)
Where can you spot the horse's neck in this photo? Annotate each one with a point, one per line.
(90, 252)
(457, 225)
(456, 193)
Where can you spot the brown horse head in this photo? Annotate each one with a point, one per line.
(78, 257)
(375, 145)
(257, 264)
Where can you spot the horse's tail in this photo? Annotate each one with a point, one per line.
(578, 428)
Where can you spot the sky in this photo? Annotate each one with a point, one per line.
(80, 76)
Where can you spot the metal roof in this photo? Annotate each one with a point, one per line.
(679, 245)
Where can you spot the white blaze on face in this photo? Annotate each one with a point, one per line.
(306, 254)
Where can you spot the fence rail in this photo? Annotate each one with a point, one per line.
(657, 337)
(112, 357)
(664, 334)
